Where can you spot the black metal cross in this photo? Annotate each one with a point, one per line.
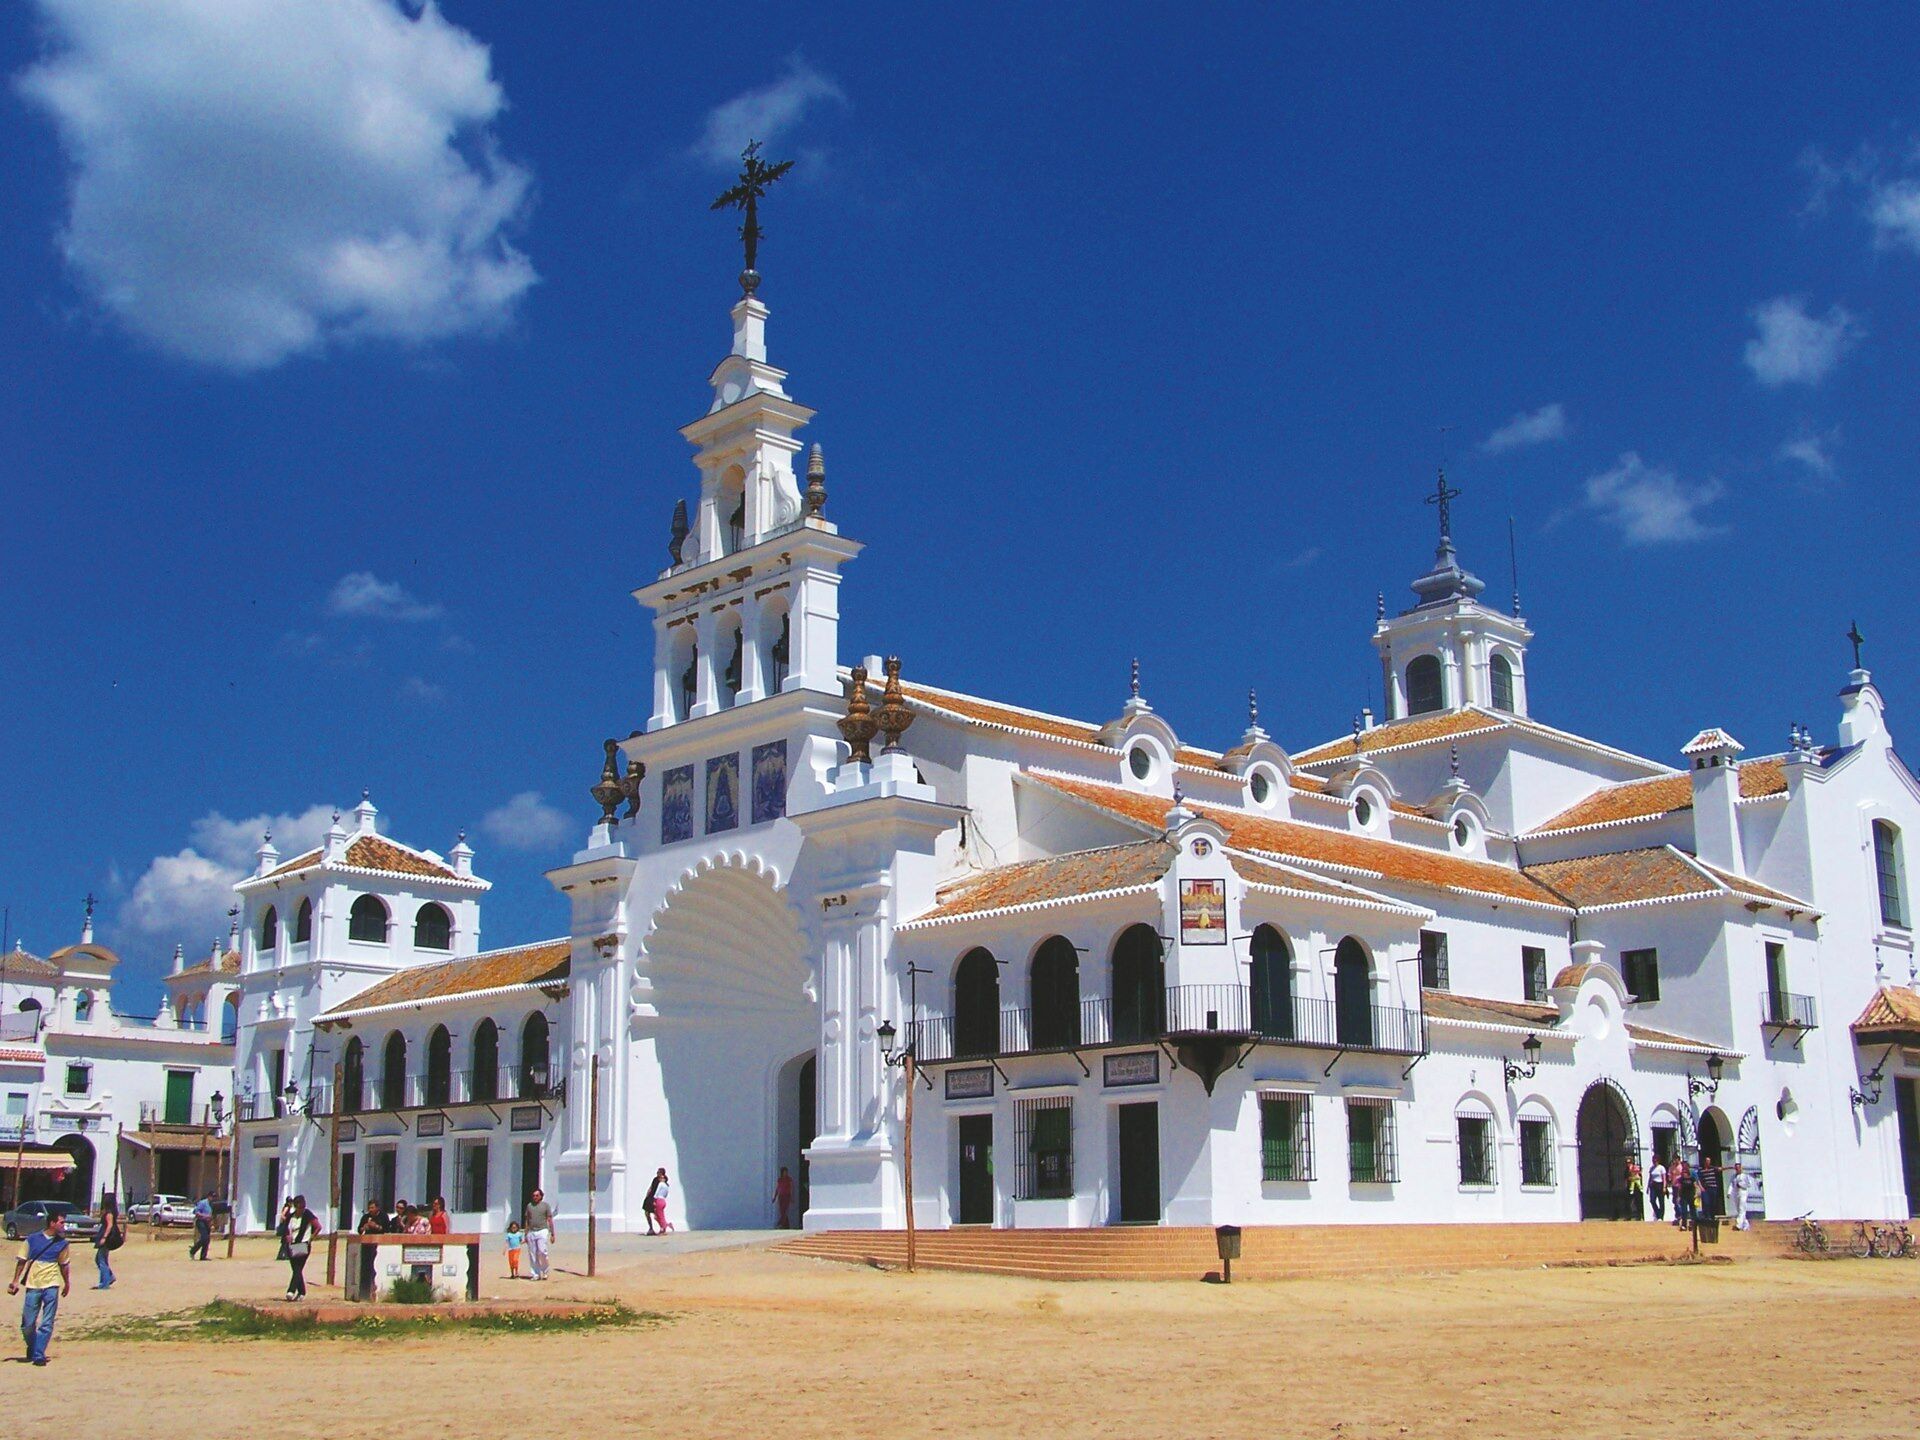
(1853, 634)
(1444, 496)
(755, 178)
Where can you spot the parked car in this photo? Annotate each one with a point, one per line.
(31, 1218)
(174, 1210)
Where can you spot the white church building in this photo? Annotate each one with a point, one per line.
(1461, 964)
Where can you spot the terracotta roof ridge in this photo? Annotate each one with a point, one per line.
(972, 877)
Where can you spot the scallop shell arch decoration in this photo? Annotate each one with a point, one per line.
(723, 939)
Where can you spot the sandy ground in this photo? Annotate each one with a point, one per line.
(763, 1344)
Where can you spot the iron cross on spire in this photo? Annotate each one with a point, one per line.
(1444, 495)
(1853, 634)
(756, 177)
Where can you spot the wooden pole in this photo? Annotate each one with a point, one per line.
(593, 1163)
(153, 1210)
(907, 1158)
(233, 1176)
(200, 1174)
(19, 1158)
(333, 1175)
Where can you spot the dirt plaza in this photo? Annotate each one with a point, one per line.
(757, 1342)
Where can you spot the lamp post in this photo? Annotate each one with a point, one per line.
(1862, 1099)
(903, 1057)
(1709, 1087)
(1516, 1071)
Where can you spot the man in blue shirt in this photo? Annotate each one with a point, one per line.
(42, 1264)
(202, 1228)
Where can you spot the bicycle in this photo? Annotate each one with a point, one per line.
(1865, 1243)
(1901, 1244)
(1811, 1237)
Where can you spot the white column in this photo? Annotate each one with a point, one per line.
(663, 678)
(753, 652)
(706, 675)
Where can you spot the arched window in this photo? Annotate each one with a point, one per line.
(439, 1066)
(393, 1073)
(1890, 873)
(83, 1006)
(31, 1007)
(1272, 984)
(433, 928)
(1139, 985)
(1352, 994)
(1501, 669)
(777, 655)
(368, 920)
(976, 1004)
(230, 1016)
(690, 682)
(1423, 685)
(303, 923)
(735, 675)
(536, 1076)
(737, 525)
(485, 1082)
(1054, 985)
(353, 1077)
(269, 931)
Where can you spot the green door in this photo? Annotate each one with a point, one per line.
(179, 1109)
(1140, 1164)
(976, 1170)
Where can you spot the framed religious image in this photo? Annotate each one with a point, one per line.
(676, 805)
(429, 1125)
(769, 781)
(1135, 1067)
(1203, 912)
(723, 793)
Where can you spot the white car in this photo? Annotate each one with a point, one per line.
(172, 1210)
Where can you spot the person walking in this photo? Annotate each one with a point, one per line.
(1657, 1188)
(42, 1267)
(1742, 1193)
(108, 1238)
(516, 1242)
(297, 1239)
(539, 1222)
(202, 1246)
(659, 1190)
(1712, 1193)
(783, 1197)
(646, 1205)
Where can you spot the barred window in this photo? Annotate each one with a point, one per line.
(1286, 1138)
(1476, 1149)
(1533, 967)
(1536, 1152)
(1641, 970)
(1371, 1156)
(1043, 1148)
(1889, 874)
(1433, 960)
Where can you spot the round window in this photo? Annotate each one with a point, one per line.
(1261, 787)
(1363, 811)
(1462, 832)
(1140, 761)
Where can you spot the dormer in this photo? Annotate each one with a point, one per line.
(1264, 767)
(1149, 750)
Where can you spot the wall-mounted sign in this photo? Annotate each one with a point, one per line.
(1203, 912)
(1135, 1067)
(268, 1141)
(676, 805)
(723, 793)
(349, 1131)
(526, 1117)
(419, 1254)
(975, 1082)
(73, 1122)
(430, 1125)
(769, 781)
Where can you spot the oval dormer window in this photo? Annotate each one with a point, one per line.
(1260, 787)
(1363, 811)
(1462, 833)
(1140, 761)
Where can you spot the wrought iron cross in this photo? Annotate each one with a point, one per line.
(1853, 634)
(756, 176)
(1444, 495)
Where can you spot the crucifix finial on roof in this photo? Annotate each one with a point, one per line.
(91, 902)
(1853, 634)
(756, 176)
(1443, 496)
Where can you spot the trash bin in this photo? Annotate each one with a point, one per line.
(1709, 1229)
(1227, 1237)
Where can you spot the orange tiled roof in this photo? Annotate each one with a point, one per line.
(1892, 1014)
(229, 965)
(544, 962)
(66, 953)
(1647, 1035)
(1445, 1005)
(1662, 795)
(1660, 872)
(1255, 872)
(970, 707)
(1313, 844)
(1058, 877)
(17, 964)
(376, 852)
(1575, 974)
(1404, 732)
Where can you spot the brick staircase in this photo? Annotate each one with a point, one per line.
(1276, 1252)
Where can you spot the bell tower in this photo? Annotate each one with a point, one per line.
(1449, 650)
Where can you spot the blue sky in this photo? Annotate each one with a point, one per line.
(344, 353)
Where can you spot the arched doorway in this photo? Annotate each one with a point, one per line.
(976, 1004)
(77, 1188)
(1713, 1151)
(799, 1119)
(1352, 993)
(1271, 974)
(1139, 985)
(1606, 1145)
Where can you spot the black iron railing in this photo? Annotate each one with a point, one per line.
(1787, 1011)
(425, 1090)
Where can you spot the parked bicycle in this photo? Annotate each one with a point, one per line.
(1865, 1242)
(1901, 1243)
(1811, 1238)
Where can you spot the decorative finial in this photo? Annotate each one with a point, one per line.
(1133, 680)
(895, 714)
(630, 787)
(678, 539)
(1853, 634)
(86, 930)
(756, 176)
(1379, 605)
(1356, 732)
(816, 482)
(1453, 761)
(858, 726)
(1513, 565)
(365, 793)
(1179, 791)
(607, 791)
(1443, 496)
(336, 814)
(461, 838)
(1253, 710)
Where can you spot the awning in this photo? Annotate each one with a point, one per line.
(36, 1160)
(165, 1140)
(1892, 1017)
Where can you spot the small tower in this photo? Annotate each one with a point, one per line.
(1449, 650)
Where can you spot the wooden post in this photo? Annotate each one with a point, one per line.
(19, 1158)
(119, 1200)
(153, 1211)
(333, 1175)
(233, 1176)
(907, 1159)
(200, 1173)
(593, 1163)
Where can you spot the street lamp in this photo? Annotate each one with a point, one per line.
(219, 1107)
(1871, 1095)
(886, 1034)
(1517, 1071)
(1696, 1087)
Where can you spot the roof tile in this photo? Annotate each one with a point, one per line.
(1058, 877)
(544, 962)
(1662, 795)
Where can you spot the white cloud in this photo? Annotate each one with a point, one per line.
(417, 691)
(1530, 427)
(1795, 347)
(764, 114)
(184, 896)
(362, 595)
(1302, 559)
(251, 182)
(1815, 452)
(526, 822)
(1893, 209)
(1652, 506)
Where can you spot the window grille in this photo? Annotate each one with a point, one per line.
(1433, 960)
(79, 1079)
(1043, 1145)
(1286, 1138)
(1536, 1152)
(1372, 1158)
(1641, 970)
(1476, 1149)
(1533, 964)
(1886, 865)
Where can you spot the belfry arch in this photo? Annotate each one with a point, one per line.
(727, 1022)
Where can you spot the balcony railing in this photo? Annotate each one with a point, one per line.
(1788, 1011)
(422, 1090)
(164, 1117)
(1099, 1022)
